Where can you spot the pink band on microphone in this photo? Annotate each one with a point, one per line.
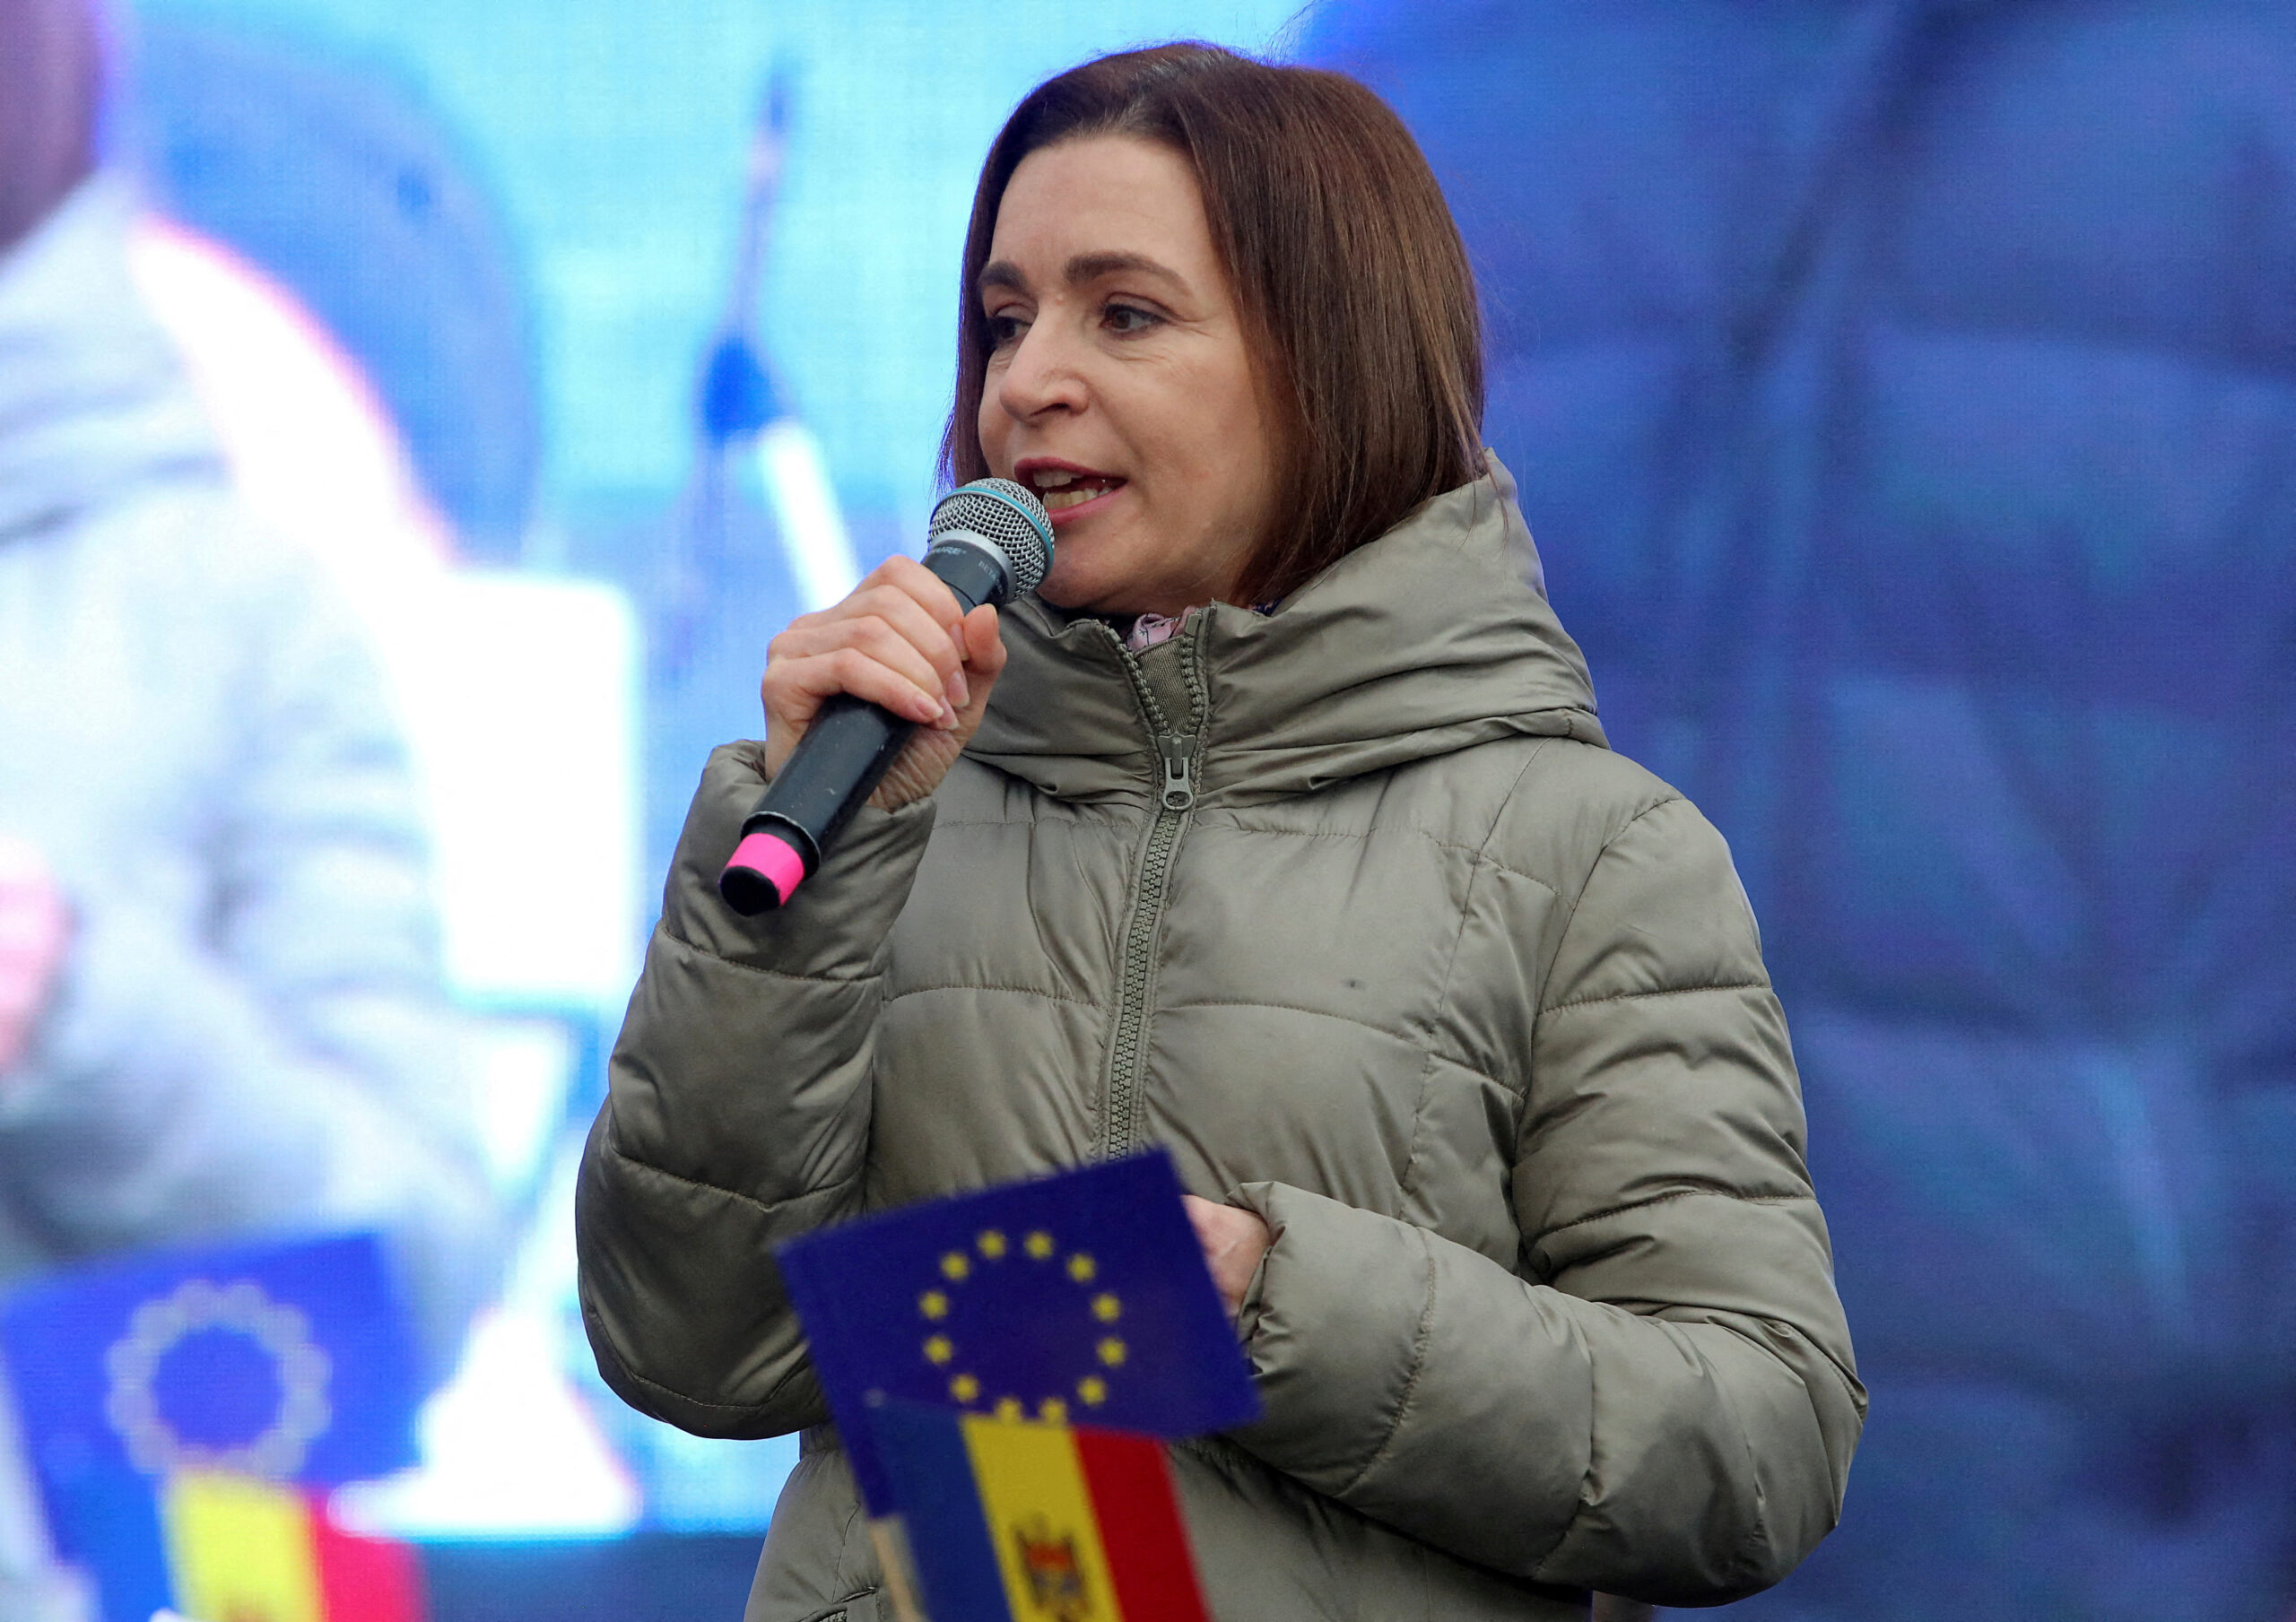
(774, 857)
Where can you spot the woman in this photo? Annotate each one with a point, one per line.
(1277, 830)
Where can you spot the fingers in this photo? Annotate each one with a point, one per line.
(795, 685)
(909, 597)
(1233, 1241)
(867, 658)
(901, 642)
(897, 641)
(1217, 1226)
(884, 614)
(984, 647)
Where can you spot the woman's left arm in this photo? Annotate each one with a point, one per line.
(1667, 1408)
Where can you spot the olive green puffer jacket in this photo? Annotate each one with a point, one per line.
(1352, 907)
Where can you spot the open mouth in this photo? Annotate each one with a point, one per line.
(1061, 487)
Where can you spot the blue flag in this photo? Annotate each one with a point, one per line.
(287, 1361)
(1078, 1298)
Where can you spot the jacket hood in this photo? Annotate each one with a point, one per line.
(1436, 637)
(92, 399)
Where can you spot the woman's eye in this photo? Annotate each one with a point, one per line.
(1129, 319)
(1004, 331)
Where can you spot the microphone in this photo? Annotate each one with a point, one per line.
(989, 542)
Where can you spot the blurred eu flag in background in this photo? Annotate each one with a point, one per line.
(178, 1410)
(1083, 1295)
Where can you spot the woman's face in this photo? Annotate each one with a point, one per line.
(1121, 389)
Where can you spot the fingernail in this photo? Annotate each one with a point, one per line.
(948, 720)
(960, 690)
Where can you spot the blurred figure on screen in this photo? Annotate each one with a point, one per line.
(220, 1010)
(1950, 347)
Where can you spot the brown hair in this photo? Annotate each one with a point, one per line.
(1344, 261)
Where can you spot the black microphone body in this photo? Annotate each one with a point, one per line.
(986, 545)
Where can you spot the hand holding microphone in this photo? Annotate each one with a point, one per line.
(901, 642)
(879, 693)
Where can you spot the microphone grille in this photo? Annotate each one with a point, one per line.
(1007, 516)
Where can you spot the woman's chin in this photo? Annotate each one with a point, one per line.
(1088, 576)
(1074, 586)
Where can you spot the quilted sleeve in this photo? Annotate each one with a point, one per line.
(1665, 1408)
(737, 1116)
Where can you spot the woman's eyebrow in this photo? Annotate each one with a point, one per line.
(1003, 272)
(1081, 270)
(1091, 267)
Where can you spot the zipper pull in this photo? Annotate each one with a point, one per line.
(1180, 784)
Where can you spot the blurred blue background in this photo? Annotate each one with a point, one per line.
(1903, 393)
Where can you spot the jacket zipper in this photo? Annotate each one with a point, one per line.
(1176, 755)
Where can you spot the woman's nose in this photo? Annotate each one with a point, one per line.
(1042, 376)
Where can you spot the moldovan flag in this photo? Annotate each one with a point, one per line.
(240, 1549)
(1016, 1520)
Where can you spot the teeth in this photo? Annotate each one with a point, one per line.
(1062, 489)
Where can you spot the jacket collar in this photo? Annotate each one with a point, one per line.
(1436, 637)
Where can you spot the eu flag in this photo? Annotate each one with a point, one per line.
(1082, 1296)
